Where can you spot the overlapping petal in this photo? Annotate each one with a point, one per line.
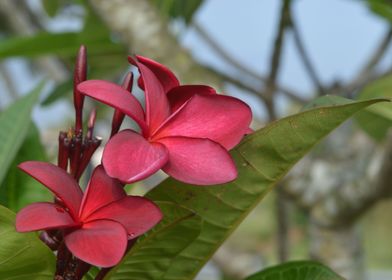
(43, 215)
(129, 157)
(166, 77)
(181, 94)
(157, 105)
(58, 181)
(101, 191)
(198, 161)
(223, 119)
(115, 96)
(136, 214)
(101, 243)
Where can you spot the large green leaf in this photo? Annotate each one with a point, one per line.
(18, 189)
(377, 119)
(14, 125)
(61, 90)
(154, 252)
(95, 35)
(22, 255)
(297, 270)
(64, 44)
(262, 159)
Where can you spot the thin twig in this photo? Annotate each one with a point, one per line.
(236, 64)
(21, 24)
(224, 54)
(367, 71)
(305, 57)
(283, 224)
(270, 87)
(269, 91)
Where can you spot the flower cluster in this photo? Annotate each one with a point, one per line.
(185, 130)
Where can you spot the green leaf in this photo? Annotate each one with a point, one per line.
(297, 270)
(22, 255)
(326, 100)
(178, 8)
(51, 7)
(106, 57)
(39, 44)
(378, 119)
(94, 35)
(65, 44)
(14, 125)
(18, 189)
(382, 8)
(374, 125)
(150, 257)
(262, 159)
(60, 91)
(91, 274)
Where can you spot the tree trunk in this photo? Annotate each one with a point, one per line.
(340, 248)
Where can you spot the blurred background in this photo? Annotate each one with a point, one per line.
(275, 55)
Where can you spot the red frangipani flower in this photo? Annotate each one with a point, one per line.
(185, 130)
(97, 224)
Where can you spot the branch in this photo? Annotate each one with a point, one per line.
(338, 196)
(18, 20)
(239, 66)
(356, 199)
(367, 74)
(143, 30)
(305, 58)
(224, 54)
(270, 89)
(270, 86)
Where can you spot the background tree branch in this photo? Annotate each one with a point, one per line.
(19, 20)
(139, 25)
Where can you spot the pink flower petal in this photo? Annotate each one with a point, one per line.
(43, 215)
(198, 161)
(249, 131)
(179, 95)
(223, 119)
(136, 214)
(100, 191)
(115, 96)
(129, 157)
(100, 243)
(166, 77)
(58, 181)
(157, 105)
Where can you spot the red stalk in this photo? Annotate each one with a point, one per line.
(80, 75)
(118, 116)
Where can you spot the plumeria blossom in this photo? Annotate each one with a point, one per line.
(186, 130)
(97, 224)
